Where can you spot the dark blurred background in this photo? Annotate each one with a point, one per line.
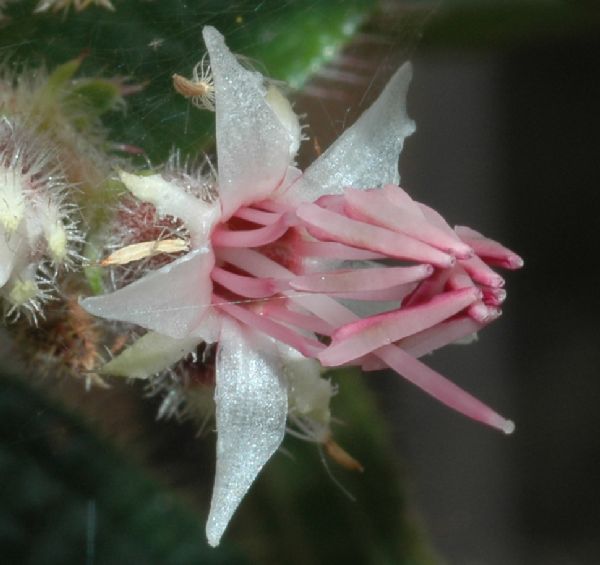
(506, 98)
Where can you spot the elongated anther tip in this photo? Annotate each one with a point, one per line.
(516, 262)
(508, 427)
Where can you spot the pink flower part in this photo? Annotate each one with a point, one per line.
(445, 391)
(375, 206)
(276, 253)
(326, 225)
(172, 300)
(362, 337)
(253, 161)
(492, 251)
(375, 278)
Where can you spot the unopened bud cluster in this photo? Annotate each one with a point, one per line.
(39, 233)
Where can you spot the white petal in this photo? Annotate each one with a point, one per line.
(209, 328)
(170, 199)
(366, 154)
(251, 413)
(309, 395)
(12, 202)
(282, 107)
(170, 301)
(253, 146)
(149, 355)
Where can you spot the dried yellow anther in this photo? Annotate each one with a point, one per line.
(138, 251)
(341, 456)
(189, 88)
(200, 88)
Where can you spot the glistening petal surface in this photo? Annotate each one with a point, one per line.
(253, 146)
(366, 154)
(170, 301)
(251, 400)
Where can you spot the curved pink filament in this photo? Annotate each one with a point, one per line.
(489, 250)
(257, 216)
(375, 207)
(308, 347)
(363, 336)
(441, 388)
(334, 250)
(223, 237)
(249, 287)
(328, 225)
(357, 280)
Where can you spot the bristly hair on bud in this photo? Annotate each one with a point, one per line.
(65, 5)
(142, 236)
(39, 233)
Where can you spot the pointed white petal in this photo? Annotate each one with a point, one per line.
(251, 413)
(366, 154)
(170, 301)
(149, 355)
(170, 199)
(253, 145)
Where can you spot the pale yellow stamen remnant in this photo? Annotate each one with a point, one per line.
(341, 456)
(138, 251)
(56, 236)
(23, 291)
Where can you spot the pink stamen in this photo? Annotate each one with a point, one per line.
(480, 312)
(394, 294)
(442, 389)
(493, 296)
(377, 278)
(401, 199)
(359, 338)
(223, 237)
(373, 206)
(249, 287)
(443, 334)
(489, 250)
(308, 347)
(333, 250)
(257, 216)
(429, 288)
(328, 225)
(335, 203)
(481, 273)
(304, 321)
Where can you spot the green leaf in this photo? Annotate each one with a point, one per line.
(68, 498)
(147, 42)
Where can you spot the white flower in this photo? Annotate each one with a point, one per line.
(248, 281)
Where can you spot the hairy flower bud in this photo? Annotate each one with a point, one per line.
(39, 234)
